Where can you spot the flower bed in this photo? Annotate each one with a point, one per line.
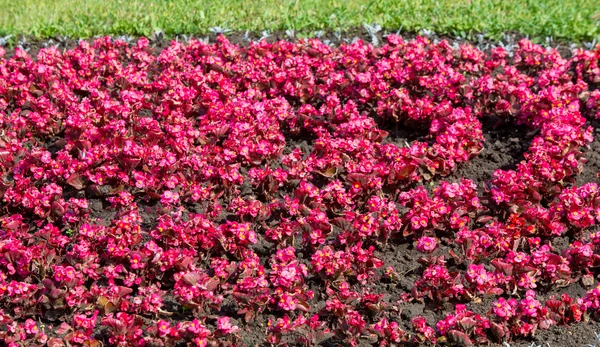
(220, 195)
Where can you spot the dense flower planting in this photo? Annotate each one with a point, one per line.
(158, 199)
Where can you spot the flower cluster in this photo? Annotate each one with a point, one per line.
(176, 197)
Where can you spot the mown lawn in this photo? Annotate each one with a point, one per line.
(576, 20)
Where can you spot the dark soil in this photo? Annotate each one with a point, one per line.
(504, 147)
(592, 154)
(32, 45)
(580, 335)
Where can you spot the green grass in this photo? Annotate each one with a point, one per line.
(576, 20)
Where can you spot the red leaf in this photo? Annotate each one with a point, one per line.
(185, 262)
(122, 291)
(453, 254)
(484, 219)
(202, 140)
(495, 291)
(554, 259)
(362, 179)
(536, 196)
(467, 323)
(63, 328)
(4, 155)
(50, 255)
(546, 324)
(48, 283)
(12, 256)
(115, 324)
(303, 306)
(554, 304)
(3, 189)
(212, 284)
(153, 195)
(131, 163)
(460, 338)
(57, 209)
(191, 278)
(119, 142)
(498, 331)
(506, 268)
(35, 91)
(332, 171)
(83, 145)
(249, 316)
(107, 305)
(341, 222)
(55, 342)
(56, 293)
(75, 181)
(241, 297)
(220, 131)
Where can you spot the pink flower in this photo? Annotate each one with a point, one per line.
(476, 273)
(287, 302)
(31, 327)
(420, 325)
(136, 261)
(527, 281)
(505, 309)
(163, 328)
(419, 222)
(289, 275)
(316, 237)
(169, 197)
(530, 305)
(282, 324)
(197, 328)
(224, 326)
(66, 273)
(426, 244)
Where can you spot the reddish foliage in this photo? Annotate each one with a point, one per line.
(204, 133)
